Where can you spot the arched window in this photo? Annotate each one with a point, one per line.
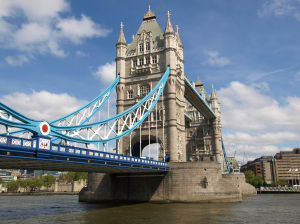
(144, 90)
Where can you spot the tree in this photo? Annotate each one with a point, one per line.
(23, 183)
(255, 180)
(1, 180)
(48, 180)
(12, 186)
(73, 176)
(281, 182)
(35, 183)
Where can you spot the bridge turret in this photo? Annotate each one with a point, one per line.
(121, 48)
(175, 94)
(121, 53)
(217, 126)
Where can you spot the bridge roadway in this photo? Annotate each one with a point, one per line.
(40, 154)
(198, 101)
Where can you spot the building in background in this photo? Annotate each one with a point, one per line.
(284, 165)
(263, 166)
(287, 166)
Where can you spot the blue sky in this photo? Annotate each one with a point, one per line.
(56, 55)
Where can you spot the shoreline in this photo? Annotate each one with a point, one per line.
(37, 193)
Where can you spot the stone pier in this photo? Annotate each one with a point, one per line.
(185, 182)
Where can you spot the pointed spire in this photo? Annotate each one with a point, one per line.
(213, 93)
(121, 39)
(177, 36)
(169, 28)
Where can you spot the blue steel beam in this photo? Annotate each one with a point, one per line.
(143, 107)
(40, 152)
(145, 102)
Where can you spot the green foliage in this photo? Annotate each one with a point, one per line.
(23, 183)
(73, 176)
(13, 185)
(35, 183)
(281, 182)
(255, 180)
(47, 180)
(1, 180)
(63, 177)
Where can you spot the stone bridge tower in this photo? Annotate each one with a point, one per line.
(141, 64)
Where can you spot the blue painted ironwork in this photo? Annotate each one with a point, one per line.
(101, 99)
(42, 149)
(83, 113)
(225, 156)
(125, 122)
(118, 125)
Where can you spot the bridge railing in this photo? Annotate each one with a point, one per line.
(42, 144)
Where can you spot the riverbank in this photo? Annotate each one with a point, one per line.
(37, 193)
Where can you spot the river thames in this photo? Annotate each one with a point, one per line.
(264, 208)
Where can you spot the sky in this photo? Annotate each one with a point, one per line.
(56, 55)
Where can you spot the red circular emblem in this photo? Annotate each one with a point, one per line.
(44, 128)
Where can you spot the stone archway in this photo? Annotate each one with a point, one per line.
(139, 144)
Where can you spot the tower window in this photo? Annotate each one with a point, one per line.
(147, 46)
(130, 94)
(147, 61)
(141, 47)
(141, 61)
(154, 59)
(144, 90)
(134, 63)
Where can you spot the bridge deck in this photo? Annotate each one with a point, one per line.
(19, 153)
(199, 102)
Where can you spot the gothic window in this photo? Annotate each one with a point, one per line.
(130, 94)
(144, 90)
(147, 61)
(147, 46)
(141, 61)
(154, 59)
(141, 47)
(134, 63)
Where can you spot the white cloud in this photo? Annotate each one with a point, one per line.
(215, 60)
(280, 8)
(44, 26)
(42, 105)
(16, 60)
(265, 139)
(246, 108)
(106, 73)
(256, 124)
(81, 54)
(77, 30)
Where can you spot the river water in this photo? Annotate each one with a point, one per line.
(264, 208)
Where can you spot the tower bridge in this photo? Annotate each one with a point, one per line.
(156, 103)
